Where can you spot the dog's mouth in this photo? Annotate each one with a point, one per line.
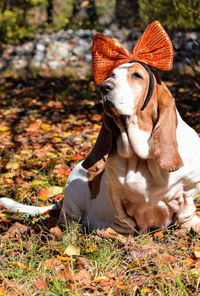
(118, 118)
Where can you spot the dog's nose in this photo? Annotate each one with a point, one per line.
(106, 87)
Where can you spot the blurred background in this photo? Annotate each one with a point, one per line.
(56, 35)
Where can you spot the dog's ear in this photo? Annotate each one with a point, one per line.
(103, 145)
(165, 145)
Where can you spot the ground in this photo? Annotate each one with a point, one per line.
(47, 125)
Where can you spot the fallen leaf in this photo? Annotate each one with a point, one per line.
(21, 265)
(53, 263)
(72, 250)
(197, 252)
(158, 235)
(93, 247)
(56, 231)
(49, 192)
(165, 258)
(67, 273)
(83, 277)
(17, 229)
(188, 261)
(101, 279)
(111, 233)
(40, 284)
(56, 190)
(46, 127)
(65, 258)
(4, 128)
(82, 262)
(195, 272)
(77, 157)
(96, 117)
(45, 194)
(13, 165)
(63, 171)
(145, 290)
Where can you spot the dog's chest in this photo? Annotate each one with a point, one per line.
(141, 177)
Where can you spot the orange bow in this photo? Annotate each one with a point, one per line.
(153, 48)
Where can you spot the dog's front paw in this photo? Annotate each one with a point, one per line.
(124, 225)
(193, 223)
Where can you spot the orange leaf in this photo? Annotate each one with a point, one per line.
(165, 258)
(56, 231)
(77, 157)
(197, 252)
(65, 258)
(44, 194)
(40, 284)
(187, 261)
(158, 235)
(96, 117)
(22, 266)
(64, 172)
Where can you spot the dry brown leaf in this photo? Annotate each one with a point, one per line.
(82, 262)
(67, 273)
(83, 277)
(53, 263)
(57, 232)
(17, 230)
(165, 259)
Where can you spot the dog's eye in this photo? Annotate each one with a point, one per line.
(136, 76)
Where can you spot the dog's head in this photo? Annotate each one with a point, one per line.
(149, 133)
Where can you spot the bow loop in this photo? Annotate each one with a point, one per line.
(153, 48)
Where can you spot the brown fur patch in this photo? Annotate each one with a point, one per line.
(94, 177)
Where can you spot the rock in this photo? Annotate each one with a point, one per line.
(54, 65)
(19, 50)
(19, 62)
(40, 47)
(28, 47)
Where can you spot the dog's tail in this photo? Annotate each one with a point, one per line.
(14, 206)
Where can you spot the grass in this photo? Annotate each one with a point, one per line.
(145, 265)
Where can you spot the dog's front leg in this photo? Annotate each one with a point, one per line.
(187, 217)
(123, 223)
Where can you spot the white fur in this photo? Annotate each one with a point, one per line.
(123, 90)
(20, 208)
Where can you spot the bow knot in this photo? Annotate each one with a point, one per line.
(153, 48)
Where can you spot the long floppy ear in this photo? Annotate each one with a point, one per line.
(103, 145)
(165, 145)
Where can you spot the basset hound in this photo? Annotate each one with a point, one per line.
(144, 169)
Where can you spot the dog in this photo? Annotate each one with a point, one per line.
(144, 170)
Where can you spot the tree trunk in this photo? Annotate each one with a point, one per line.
(50, 11)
